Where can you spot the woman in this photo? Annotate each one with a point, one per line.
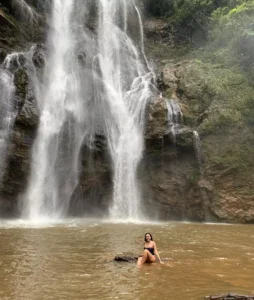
(150, 250)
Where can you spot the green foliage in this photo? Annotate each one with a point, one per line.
(159, 7)
(233, 29)
(187, 16)
(184, 11)
(227, 26)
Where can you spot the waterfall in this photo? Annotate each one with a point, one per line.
(124, 92)
(7, 113)
(197, 146)
(9, 105)
(54, 173)
(97, 81)
(175, 117)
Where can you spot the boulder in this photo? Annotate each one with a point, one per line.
(184, 137)
(25, 99)
(38, 59)
(28, 115)
(230, 296)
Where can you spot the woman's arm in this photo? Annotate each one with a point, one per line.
(156, 252)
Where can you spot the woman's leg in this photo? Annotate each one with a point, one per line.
(147, 257)
(139, 261)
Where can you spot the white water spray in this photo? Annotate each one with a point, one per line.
(126, 88)
(95, 83)
(54, 173)
(7, 113)
(175, 117)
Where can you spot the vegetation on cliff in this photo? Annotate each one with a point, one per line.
(224, 27)
(205, 53)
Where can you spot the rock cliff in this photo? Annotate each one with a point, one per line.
(176, 184)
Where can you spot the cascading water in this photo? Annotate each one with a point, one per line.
(175, 117)
(96, 82)
(123, 93)
(197, 146)
(7, 113)
(8, 108)
(54, 173)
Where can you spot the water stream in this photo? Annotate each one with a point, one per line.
(197, 146)
(126, 88)
(174, 118)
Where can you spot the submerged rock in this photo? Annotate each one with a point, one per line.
(126, 258)
(230, 296)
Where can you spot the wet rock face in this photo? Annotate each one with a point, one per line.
(28, 115)
(16, 174)
(21, 85)
(38, 59)
(169, 180)
(18, 160)
(93, 195)
(156, 120)
(210, 105)
(5, 20)
(3, 54)
(25, 100)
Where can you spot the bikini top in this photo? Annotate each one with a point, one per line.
(150, 249)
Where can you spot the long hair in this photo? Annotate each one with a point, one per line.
(150, 236)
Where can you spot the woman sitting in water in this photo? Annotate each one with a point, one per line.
(150, 250)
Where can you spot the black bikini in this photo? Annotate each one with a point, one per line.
(150, 249)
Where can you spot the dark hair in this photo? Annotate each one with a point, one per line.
(150, 236)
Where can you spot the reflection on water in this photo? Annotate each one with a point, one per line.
(74, 261)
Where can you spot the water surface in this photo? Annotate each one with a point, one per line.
(74, 261)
